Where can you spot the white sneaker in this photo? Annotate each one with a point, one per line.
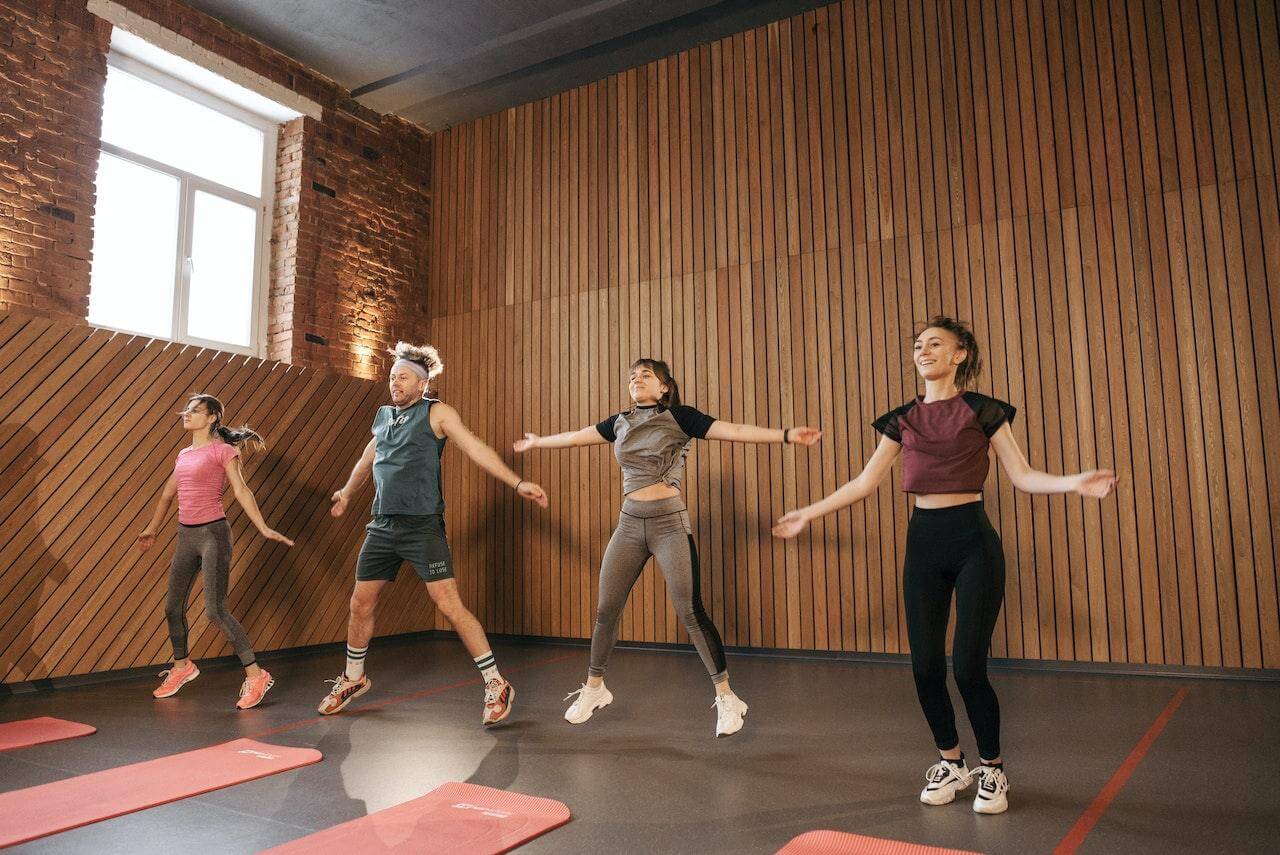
(588, 701)
(993, 787)
(945, 780)
(729, 713)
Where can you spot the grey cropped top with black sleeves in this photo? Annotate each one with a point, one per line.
(652, 442)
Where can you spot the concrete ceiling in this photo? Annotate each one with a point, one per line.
(440, 62)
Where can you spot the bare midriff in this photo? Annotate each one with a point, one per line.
(653, 493)
(945, 500)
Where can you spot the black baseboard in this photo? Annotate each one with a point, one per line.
(1113, 669)
(212, 664)
(1117, 669)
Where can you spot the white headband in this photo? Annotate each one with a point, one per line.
(412, 366)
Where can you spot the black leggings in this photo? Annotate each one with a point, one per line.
(954, 549)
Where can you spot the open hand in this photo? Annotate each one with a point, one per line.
(530, 441)
(272, 534)
(339, 504)
(145, 541)
(791, 524)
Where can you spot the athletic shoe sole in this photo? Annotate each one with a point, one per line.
(990, 806)
(605, 701)
(271, 682)
(368, 684)
(945, 801)
(741, 721)
(511, 699)
(194, 673)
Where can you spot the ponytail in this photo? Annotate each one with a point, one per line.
(238, 437)
(670, 400)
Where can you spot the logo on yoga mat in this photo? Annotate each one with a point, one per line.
(264, 755)
(496, 814)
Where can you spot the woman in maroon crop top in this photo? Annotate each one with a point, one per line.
(944, 438)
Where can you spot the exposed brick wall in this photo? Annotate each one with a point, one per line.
(284, 241)
(52, 71)
(362, 243)
(348, 266)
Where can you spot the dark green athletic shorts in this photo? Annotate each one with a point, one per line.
(391, 540)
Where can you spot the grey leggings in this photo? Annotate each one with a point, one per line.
(206, 547)
(660, 529)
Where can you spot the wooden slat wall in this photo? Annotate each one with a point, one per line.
(1092, 184)
(87, 440)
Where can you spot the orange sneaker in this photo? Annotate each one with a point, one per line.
(344, 692)
(498, 697)
(175, 679)
(253, 688)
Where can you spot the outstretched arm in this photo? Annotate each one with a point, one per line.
(871, 477)
(147, 539)
(245, 497)
(445, 420)
(359, 474)
(1097, 483)
(586, 436)
(730, 432)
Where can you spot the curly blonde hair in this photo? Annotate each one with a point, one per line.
(422, 354)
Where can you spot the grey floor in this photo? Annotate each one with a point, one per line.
(827, 745)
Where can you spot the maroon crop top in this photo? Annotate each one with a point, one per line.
(945, 443)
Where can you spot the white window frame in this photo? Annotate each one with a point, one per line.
(188, 185)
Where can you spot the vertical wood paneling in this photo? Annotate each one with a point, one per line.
(1093, 186)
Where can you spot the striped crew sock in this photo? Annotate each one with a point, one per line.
(488, 666)
(355, 662)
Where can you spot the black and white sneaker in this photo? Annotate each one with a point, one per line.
(945, 779)
(993, 787)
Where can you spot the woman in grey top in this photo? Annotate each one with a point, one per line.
(651, 442)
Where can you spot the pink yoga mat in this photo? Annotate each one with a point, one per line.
(70, 803)
(841, 843)
(33, 731)
(452, 818)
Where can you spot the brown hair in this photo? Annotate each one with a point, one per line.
(967, 371)
(231, 436)
(660, 368)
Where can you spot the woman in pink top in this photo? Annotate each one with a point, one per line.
(199, 478)
(945, 439)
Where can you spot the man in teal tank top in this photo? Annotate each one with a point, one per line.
(403, 456)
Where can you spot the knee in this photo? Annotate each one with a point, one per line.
(608, 612)
(214, 610)
(453, 610)
(929, 670)
(690, 615)
(969, 673)
(450, 605)
(362, 607)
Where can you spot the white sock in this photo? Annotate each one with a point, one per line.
(488, 666)
(355, 662)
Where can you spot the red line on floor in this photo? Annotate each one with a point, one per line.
(1107, 794)
(435, 690)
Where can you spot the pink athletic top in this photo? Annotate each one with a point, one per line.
(202, 476)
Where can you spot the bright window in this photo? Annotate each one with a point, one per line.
(184, 191)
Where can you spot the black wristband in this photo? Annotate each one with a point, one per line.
(517, 486)
(785, 438)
